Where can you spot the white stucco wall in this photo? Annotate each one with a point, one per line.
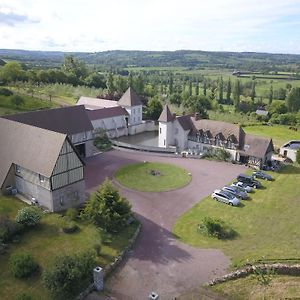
(165, 134)
(288, 152)
(109, 123)
(135, 114)
(142, 127)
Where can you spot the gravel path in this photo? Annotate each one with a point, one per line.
(158, 262)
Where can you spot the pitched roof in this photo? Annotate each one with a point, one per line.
(166, 115)
(96, 103)
(256, 146)
(68, 120)
(130, 98)
(186, 122)
(105, 113)
(31, 147)
(216, 127)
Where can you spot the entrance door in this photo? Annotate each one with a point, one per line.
(81, 149)
(285, 153)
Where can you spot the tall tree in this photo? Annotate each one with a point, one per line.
(271, 94)
(11, 72)
(190, 88)
(171, 84)
(130, 80)
(75, 66)
(228, 91)
(204, 87)
(237, 94)
(221, 89)
(293, 100)
(197, 88)
(139, 84)
(110, 83)
(253, 92)
(154, 108)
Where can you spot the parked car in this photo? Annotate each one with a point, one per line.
(249, 181)
(242, 185)
(262, 175)
(236, 191)
(225, 197)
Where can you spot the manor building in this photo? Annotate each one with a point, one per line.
(189, 132)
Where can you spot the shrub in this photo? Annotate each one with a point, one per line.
(24, 296)
(69, 274)
(298, 157)
(22, 265)
(218, 154)
(17, 100)
(69, 226)
(216, 228)
(72, 214)
(8, 229)
(29, 216)
(5, 92)
(97, 247)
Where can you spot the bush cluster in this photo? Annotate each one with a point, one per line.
(216, 228)
(22, 265)
(69, 274)
(8, 229)
(29, 216)
(5, 92)
(217, 154)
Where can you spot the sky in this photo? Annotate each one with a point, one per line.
(97, 25)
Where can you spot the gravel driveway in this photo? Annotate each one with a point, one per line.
(158, 262)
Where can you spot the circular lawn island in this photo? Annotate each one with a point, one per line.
(152, 177)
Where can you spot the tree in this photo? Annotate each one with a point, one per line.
(139, 84)
(221, 89)
(204, 87)
(175, 99)
(95, 80)
(75, 66)
(293, 100)
(197, 88)
(121, 84)
(236, 94)
(130, 80)
(107, 209)
(154, 109)
(11, 72)
(110, 83)
(190, 88)
(17, 100)
(253, 92)
(228, 91)
(22, 265)
(271, 94)
(171, 84)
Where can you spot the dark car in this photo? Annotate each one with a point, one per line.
(262, 175)
(249, 181)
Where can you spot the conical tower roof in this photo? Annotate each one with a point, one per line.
(130, 98)
(166, 115)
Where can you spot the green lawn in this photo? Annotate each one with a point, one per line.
(138, 177)
(47, 241)
(279, 133)
(281, 287)
(267, 224)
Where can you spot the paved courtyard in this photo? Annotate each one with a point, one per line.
(158, 262)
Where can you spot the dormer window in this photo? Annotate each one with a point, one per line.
(18, 169)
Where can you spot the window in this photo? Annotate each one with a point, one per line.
(164, 142)
(41, 178)
(18, 169)
(160, 130)
(61, 200)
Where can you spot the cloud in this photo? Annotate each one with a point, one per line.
(11, 18)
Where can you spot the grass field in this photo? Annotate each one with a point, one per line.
(138, 177)
(281, 287)
(47, 241)
(30, 103)
(266, 224)
(279, 133)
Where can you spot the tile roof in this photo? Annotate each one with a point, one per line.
(31, 147)
(256, 146)
(96, 103)
(105, 113)
(166, 115)
(68, 120)
(130, 98)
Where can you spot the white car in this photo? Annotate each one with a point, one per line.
(225, 197)
(242, 185)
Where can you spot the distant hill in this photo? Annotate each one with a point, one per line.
(250, 61)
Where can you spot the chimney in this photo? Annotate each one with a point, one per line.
(197, 116)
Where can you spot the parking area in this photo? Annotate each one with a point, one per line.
(158, 262)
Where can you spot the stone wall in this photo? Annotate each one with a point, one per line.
(279, 269)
